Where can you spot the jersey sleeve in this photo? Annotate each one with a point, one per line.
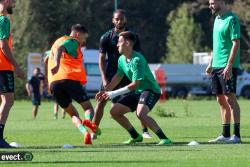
(103, 44)
(120, 71)
(138, 69)
(71, 46)
(4, 28)
(234, 27)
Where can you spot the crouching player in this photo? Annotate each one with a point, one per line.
(143, 91)
(66, 75)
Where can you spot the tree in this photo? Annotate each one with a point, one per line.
(242, 8)
(38, 23)
(184, 36)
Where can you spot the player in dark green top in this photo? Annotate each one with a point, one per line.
(141, 94)
(223, 68)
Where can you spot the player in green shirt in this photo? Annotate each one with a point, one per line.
(142, 93)
(223, 68)
(8, 66)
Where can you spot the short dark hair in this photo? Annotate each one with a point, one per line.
(128, 35)
(121, 11)
(37, 68)
(79, 28)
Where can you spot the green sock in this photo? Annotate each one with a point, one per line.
(88, 116)
(82, 128)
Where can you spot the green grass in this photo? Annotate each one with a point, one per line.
(44, 137)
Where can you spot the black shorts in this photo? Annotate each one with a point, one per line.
(36, 99)
(220, 85)
(7, 82)
(146, 97)
(124, 82)
(65, 90)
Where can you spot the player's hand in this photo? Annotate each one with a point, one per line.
(208, 70)
(20, 73)
(55, 69)
(99, 97)
(106, 95)
(227, 72)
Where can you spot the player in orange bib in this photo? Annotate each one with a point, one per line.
(66, 75)
(8, 65)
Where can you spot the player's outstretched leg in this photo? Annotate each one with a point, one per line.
(98, 117)
(117, 112)
(71, 110)
(89, 113)
(141, 112)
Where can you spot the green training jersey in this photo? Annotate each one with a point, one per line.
(71, 46)
(4, 27)
(226, 29)
(137, 69)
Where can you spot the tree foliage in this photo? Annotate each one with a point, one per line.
(184, 36)
(242, 8)
(37, 24)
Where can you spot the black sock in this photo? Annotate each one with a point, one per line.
(237, 129)
(144, 130)
(160, 134)
(226, 130)
(133, 133)
(1, 130)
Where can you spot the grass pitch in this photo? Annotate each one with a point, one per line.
(192, 120)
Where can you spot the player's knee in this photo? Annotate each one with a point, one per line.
(230, 102)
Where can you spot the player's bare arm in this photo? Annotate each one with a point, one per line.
(112, 94)
(57, 58)
(115, 81)
(228, 70)
(208, 70)
(7, 52)
(102, 67)
(28, 89)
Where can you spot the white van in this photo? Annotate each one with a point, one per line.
(91, 61)
(184, 79)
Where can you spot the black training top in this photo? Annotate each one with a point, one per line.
(108, 46)
(35, 83)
